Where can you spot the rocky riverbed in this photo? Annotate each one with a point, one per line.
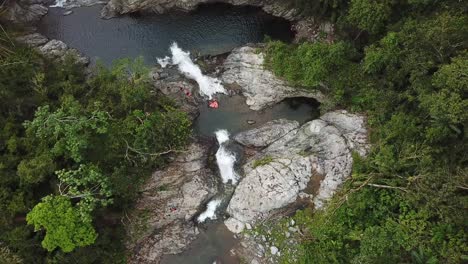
(282, 164)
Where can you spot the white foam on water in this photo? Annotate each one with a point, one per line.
(59, 3)
(225, 159)
(222, 136)
(210, 212)
(164, 62)
(208, 85)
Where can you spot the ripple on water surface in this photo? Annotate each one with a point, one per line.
(211, 29)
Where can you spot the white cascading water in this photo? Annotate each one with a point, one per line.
(59, 3)
(225, 159)
(210, 212)
(164, 62)
(208, 85)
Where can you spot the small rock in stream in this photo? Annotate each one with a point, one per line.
(69, 12)
(251, 122)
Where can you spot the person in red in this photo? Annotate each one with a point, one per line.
(213, 104)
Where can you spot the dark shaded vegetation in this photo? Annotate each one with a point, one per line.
(405, 65)
(73, 153)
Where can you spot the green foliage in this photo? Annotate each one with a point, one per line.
(63, 224)
(406, 202)
(88, 184)
(262, 162)
(369, 15)
(68, 130)
(86, 144)
(308, 64)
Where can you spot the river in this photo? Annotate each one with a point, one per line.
(210, 30)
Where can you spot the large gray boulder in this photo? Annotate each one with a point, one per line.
(24, 12)
(277, 176)
(244, 67)
(53, 49)
(266, 134)
(161, 222)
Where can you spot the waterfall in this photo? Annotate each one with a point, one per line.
(208, 85)
(210, 211)
(225, 159)
(59, 3)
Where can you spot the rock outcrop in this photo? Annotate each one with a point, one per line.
(244, 67)
(277, 176)
(266, 134)
(24, 12)
(162, 222)
(53, 49)
(116, 7)
(181, 90)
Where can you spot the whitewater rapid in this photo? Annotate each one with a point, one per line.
(59, 3)
(210, 212)
(225, 159)
(208, 85)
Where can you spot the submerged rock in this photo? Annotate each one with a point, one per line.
(244, 67)
(277, 176)
(162, 222)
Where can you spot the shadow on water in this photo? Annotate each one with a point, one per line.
(234, 115)
(211, 29)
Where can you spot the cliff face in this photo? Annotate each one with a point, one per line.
(116, 7)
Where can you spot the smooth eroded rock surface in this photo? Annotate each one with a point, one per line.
(276, 177)
(266, 134)
(244, 67)
(162, 222)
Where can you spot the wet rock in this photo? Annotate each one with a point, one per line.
(176, 87)
(56, 49)
(320, 147)
(251, 122)
(266, 134)
(67, 13)
(116, 7)
(169, 202)
(53, 49)
(244, 67)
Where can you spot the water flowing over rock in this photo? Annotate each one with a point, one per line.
(277, 176)
(116, 7)
(210, 212)
(68, 4)
(209, 86)
(225, 159)
(162, 222)
(244, 67)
